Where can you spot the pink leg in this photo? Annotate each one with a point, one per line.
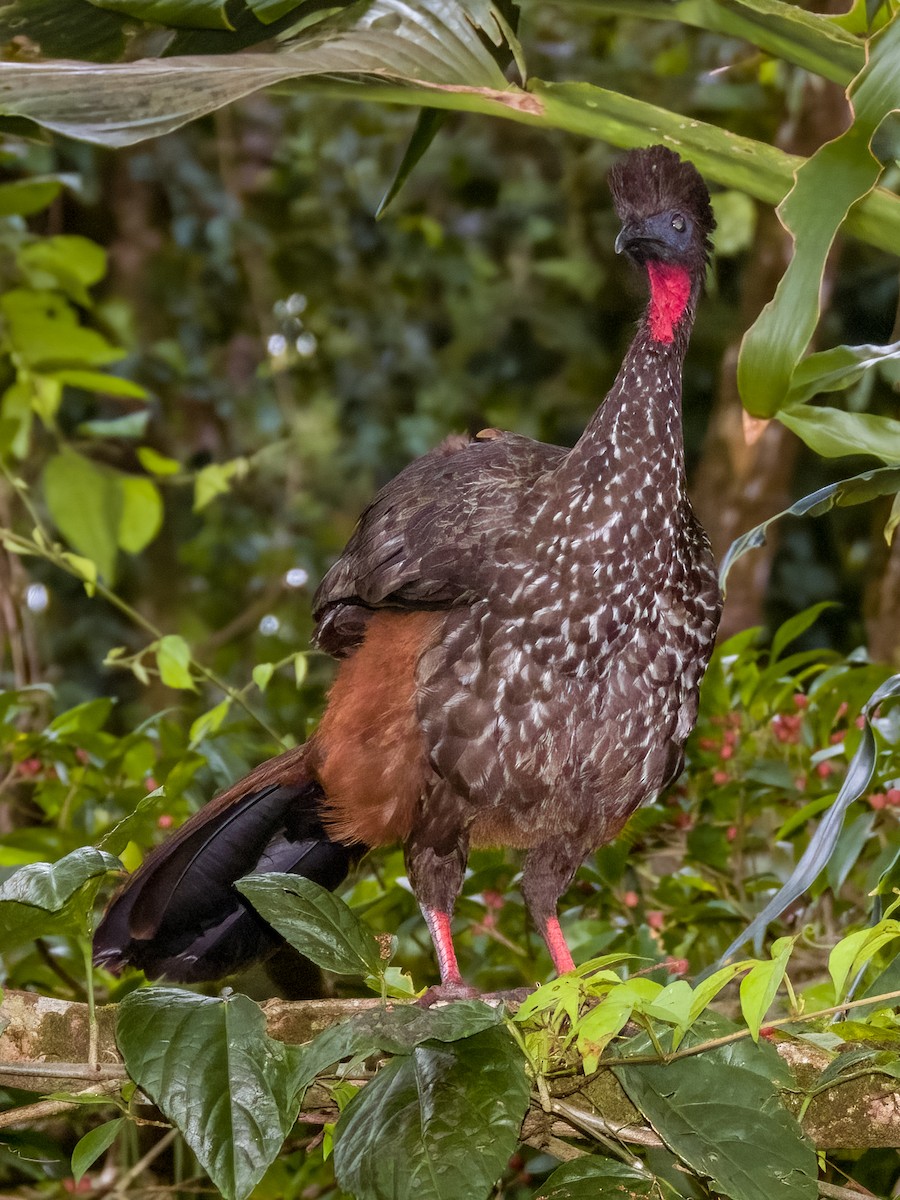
(439, 928)
(556, 944)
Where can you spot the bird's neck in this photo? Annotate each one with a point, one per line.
(638, 426)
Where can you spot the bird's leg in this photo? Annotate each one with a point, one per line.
(547, 872)
(436, 864)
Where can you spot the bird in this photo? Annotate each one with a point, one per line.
(521, 632)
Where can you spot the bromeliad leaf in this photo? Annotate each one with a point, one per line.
(210, 1067)
(315, 922)
(454, 1112)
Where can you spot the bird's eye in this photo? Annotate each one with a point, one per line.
(678, 222)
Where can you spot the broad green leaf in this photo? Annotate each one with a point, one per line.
(173, 658)
(94, 1143)
(835, 434)
(121, 103)
(44, 331)
(45, 898)
(23, 197)
(212, 1070)
(827, 186)
(142, 513)
(454, 1113)
(761, 983)
(50, 886)
(315, 922)
(192, 14)
(396, 1030)
(721, 1114)
(832, 370)
(596, 1178)
(854, 951)
(86, 503)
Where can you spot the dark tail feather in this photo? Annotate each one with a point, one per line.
(179, 915)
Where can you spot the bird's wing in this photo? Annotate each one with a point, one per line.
(425, 540)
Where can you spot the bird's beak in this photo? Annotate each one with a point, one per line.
(628, 234)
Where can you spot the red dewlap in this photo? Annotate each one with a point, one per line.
(670, 290)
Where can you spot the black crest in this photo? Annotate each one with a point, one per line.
(646, 182)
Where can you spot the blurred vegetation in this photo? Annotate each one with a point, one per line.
(212, 353)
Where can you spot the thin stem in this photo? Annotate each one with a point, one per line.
(91, 1006)
(647, 1059)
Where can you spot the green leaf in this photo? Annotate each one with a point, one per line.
(209, 722)
(94, 1143)
(854, 951)
(156, 463)
(212, 1070)
(396, 1030)
(721, 1114)
(215, 480)
(190, 14)
(23, 197)
(315, 922)
(835, 369)
(596, 1178)
(43, 898)
(106, 385)
(822, 844)
(427, 128)
(828, 184)
(301, 667)
(784, 30)
(835, 434)
(85, 502)
(83, 718)
(858, 489)
(50, 886)
(67, 262)
(132, 425)
(454, 1113)
(44, 331)
(262, 673)
(142, 513)
(792, 628)
(173, 658)
(118, 104)
(761, 983)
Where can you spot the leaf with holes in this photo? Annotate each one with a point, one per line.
(212, 1070)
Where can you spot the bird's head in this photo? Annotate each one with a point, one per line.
(664, 207)
(667, 221)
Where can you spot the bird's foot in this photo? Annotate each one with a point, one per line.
(442, 993)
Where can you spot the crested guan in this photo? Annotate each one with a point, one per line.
(522, 632)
